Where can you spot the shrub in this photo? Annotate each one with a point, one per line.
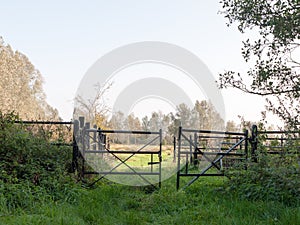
(30, 167)
(273, 178)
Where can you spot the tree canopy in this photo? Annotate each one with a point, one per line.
(274, 54)
(21, 88)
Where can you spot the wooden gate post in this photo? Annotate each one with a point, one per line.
(75, 154)
(254, 142)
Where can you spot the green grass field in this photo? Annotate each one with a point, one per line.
(202, 203)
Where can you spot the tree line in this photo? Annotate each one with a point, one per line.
(21, 89)
(203, 116)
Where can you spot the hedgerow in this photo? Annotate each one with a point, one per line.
(31, 168)
(272, 178)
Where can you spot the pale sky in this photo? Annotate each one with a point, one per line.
(64, 38)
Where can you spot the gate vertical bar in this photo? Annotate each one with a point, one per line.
(178, 157)
(160, 156)
(82, 134)
(246, 142)
(95, 138)
(195, 149)
(187, 157)
(87, 136)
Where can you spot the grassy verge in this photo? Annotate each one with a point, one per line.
(202, 203)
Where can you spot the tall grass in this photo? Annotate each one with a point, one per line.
(202, 203)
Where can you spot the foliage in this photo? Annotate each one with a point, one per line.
(273, 178)
(21, 86)
(276, 68)
(30, 167)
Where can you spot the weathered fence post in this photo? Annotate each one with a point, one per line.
(160, 157)
(246, 142)
(81, 122)
(246, 147)
(254, 142)
(75, 154)
(82, 143)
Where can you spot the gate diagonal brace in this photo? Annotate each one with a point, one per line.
(124, 162)
(202, 153)
(215, 161)
(208, 159)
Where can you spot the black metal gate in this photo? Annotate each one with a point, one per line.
(94, 144)
(274, 142)
(218, 149)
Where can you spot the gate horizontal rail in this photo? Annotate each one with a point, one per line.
(189, 149)
(122, 131)
(274, 142)
(45, 122)
(100, 147)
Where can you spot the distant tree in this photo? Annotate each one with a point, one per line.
(183, 113)
(165, 123)
(275, 74)
(155, 121)
(21, 87)
(202, 116)
(174, 124)
(232, 126)
(206, 117)
(117, 121)
(132, 122)
(94, 109)
(145, 124)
